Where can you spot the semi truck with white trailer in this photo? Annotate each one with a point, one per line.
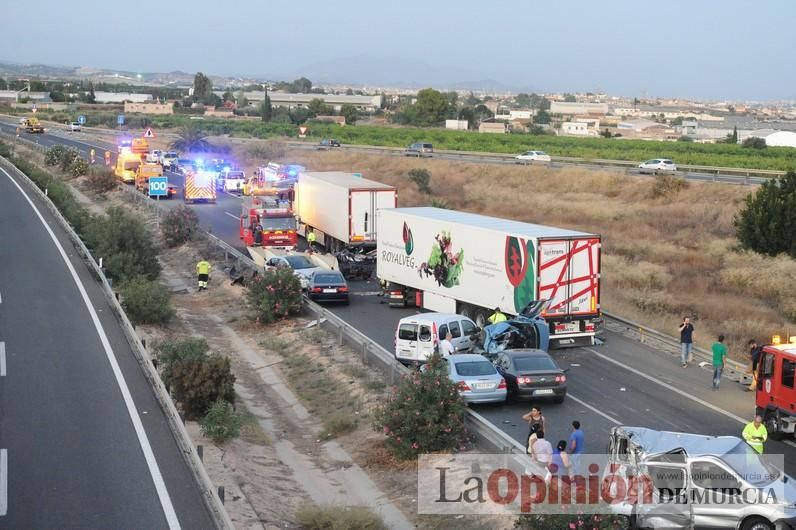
(340, 208)
(454, 262)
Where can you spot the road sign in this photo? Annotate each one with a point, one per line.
(81, 120)
(149, 133)
(120, 119)
(107, 158)
(302, 132)
(158, 186)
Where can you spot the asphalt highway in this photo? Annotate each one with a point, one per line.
(83, 442)
(619, 382)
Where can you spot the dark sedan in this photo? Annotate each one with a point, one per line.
(327, 286)
(532, 374)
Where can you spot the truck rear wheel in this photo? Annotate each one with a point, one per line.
(773, 424)
(481, 318)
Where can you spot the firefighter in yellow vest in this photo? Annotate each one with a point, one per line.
(311, 237)
(755, 434)
(203, 273)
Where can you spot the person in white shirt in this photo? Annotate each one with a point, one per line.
(542, 450)
(446, 348)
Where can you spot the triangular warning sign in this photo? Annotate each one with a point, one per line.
(149, 133)
(302, 130)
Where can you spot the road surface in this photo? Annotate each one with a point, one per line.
(84, 442)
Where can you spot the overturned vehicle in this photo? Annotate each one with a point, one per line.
(660, 479)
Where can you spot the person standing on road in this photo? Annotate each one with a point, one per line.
(497, 316)
(534, 416)
(686, 341)
(203, 274)
(754, 355)
(576, 447)
(446, 348)
(311, 237)
(755, 434)
(542, 450)
(719, 354)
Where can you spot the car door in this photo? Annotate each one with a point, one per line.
(669, 508)
(716, 495)
(406, 342)
(461, 342)
(470, 330)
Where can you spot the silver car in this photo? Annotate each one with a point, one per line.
(657, 165)
(477, 378)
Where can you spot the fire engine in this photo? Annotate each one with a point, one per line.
(776, 394)
(131, 154)
(268, 222)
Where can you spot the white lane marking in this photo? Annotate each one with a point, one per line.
(594, 409)
(789, 442)
(2, 359)
(232, 194)
(667, 386)
(1, 298)
(233, 216)
(154, 470)
(3, 482)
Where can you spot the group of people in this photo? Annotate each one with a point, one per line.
(719, 351)
(563, 459)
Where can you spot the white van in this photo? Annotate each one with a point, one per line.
(418, 336)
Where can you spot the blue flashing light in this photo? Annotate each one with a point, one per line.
(200, 162)
(227, 168)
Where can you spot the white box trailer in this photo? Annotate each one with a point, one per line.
(341, 207)
(455, 262)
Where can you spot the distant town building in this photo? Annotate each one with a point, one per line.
(493, 128)
(121, 97)
(581, 128)
(515, 114)
(220, 112)
(284, 99)
(781, 139)
(457, 125)
(148, 108)
(13, 95)
(578, 109)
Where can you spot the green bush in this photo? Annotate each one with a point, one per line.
(337, 424)
(667, 185)
(767, 221)
(69, 156)
(221, 423)
(146, 302)
(274, 295)
(754, 142)
(338, 518)
(54, 155)
(101, 179)
(195, 377)
(579, 520)
(127, 248)
(421, 177)
(179, 225)
(424, 414)
(79, 167)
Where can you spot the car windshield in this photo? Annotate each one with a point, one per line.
(751, 466)
(278, 223)
(475, 368)
(132, 165)
(329, 279)
(299, 262)
(530, 364)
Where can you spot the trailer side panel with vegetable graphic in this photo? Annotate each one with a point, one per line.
(476, 263)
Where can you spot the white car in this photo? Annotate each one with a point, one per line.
(167, 159)
(529, 157)
(73, 127)
(302, 267)
(657, 165)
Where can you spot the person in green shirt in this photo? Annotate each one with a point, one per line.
(719, 353)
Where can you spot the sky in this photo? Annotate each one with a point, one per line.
(699, 49)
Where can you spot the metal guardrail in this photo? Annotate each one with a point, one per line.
(734, 370)
(181, 435)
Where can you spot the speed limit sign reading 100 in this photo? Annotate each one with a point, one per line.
(158, 186)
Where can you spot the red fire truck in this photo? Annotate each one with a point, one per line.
(268, 222)
(776, 392)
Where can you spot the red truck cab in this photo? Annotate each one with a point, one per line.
(775, 398)
(268, 222)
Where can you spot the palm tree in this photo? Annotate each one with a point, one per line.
(191, 139)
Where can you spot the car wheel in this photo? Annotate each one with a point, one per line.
(756, 523)
(559, 399)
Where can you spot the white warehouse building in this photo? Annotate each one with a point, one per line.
(121, 97)
(285, 99)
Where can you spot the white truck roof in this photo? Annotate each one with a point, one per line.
(346, 180)
(527, 230)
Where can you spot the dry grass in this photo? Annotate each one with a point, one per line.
(664, 257)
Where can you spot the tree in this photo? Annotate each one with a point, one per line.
(228, 96)
(266, 109)
(318, 107)
(636, 101)
(767, 222)
(91, 97)
(202, 87)
(299, 115)
(125, 244)
(677, 121)
(431, 107)
(754, 142)
(350, 113)
(302, 85)
(544, 103)
(213, 100)
(241, 101)
(472, 100)
(734, 137)
(452, 97)
(467, 114)
(570, 98)
(731, 109)
(522, 100)
(349, 92)
(482, 112)
(3, 84)
(191, 139)
(542, 117)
